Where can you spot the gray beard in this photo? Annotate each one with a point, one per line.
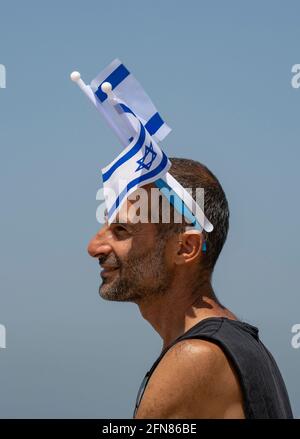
(139, 278)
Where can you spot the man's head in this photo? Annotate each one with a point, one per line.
(142, 260)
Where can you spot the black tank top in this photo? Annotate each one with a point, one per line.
(264, 392)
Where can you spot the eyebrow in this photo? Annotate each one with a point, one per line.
(124, 222)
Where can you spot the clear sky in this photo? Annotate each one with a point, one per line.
(220, 74)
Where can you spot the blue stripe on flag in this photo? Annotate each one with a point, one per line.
(177, 202)
(138, 180)
(138, 145)
(154, 124)
(115, 78)
(126, 109)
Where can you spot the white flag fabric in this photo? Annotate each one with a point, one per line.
(141, 162)
(129, 90)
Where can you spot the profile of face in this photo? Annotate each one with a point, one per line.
(135, 263)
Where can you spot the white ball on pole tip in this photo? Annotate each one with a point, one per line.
(106, 87)
(75, 76)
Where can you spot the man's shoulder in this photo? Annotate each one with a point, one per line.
(194, 377)
(197, 362)
(195, 353)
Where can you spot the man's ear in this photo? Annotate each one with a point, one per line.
(189, 247)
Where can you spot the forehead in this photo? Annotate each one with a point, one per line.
(136, 209)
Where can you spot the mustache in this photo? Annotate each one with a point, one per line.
(111, 260)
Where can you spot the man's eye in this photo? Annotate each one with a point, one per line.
(120, 231)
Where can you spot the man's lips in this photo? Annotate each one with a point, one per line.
(108, 269)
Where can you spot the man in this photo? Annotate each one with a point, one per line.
(212, 365)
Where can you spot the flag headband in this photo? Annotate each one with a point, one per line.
(129, 111)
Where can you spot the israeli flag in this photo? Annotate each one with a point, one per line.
(129, 90)
(141, 162)
(129, 111)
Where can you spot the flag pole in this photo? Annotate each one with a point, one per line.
(128, 129)
(76, 77)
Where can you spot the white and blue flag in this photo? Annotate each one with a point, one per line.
(133, 117)
(141, 162)
(129, 90)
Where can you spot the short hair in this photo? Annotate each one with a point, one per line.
(192, 174)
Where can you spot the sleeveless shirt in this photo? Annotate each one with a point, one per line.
(264, 391)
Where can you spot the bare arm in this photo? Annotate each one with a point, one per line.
(194, 379)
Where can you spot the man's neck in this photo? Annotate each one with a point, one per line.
(180, 308)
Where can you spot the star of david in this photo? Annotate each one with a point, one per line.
(150, 155)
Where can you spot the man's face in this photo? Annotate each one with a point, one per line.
(135, 263)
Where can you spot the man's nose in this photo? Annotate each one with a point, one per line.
(99, 244)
